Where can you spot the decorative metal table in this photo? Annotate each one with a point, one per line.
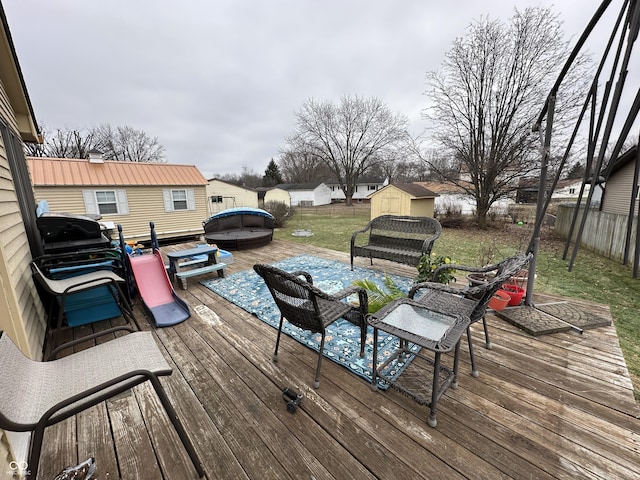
(415, 323)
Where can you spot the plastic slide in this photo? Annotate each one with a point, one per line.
(156, 290)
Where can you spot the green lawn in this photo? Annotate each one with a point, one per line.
(592, 278)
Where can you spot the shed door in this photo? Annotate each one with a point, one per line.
(390, 205)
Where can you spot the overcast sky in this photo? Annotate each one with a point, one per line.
(218, 81)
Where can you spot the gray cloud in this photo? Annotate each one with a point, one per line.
(218, 81)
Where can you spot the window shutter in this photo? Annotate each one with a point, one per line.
(168, 201)
(123, 204)
(90, 204)
(191, 199)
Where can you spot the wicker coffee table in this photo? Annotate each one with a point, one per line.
(437, 332)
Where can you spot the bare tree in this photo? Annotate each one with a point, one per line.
(301, 167)
(119, 143)
(348, 137)
(67, 143)
(487, 95)
(127, 144)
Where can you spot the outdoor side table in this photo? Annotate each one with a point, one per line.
(435, 331)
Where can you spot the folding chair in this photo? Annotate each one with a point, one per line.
(35, 395)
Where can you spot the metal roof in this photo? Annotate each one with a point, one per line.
(80, 172)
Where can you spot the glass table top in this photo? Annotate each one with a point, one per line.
(419, 321)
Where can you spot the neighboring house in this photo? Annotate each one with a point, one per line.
(403, 199)
(364, 187)
(451, 198)
(22, 314)
(223, 195)
(307, 194)
(619, 187)
(569, 190)
(128, 193)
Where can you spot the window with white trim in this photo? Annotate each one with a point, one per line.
(179, 199)
(106, 202)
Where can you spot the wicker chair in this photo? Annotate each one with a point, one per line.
(35, 395)
(469, 301)
(309, 308)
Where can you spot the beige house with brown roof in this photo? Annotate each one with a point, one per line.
(132, 194)
(403, 199)
(223, 195)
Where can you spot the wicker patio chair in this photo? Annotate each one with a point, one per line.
(59, 290)
(309, 308)
(35, 395)
(469, 301)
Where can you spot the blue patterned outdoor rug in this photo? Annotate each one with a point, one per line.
(342, 342)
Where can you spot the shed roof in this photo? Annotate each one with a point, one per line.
(413, 189)
(68, 171)
(298, 186)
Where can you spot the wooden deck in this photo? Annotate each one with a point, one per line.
(554, 406)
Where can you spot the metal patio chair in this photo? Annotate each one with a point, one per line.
(35, 395)
(60, 289)
(469, 301)
(309, 308)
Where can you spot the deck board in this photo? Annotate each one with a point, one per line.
(553, 406)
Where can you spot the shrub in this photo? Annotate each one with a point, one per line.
(280, 211)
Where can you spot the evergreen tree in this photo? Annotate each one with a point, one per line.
(272, 175)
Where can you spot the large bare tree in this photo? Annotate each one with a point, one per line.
(127, 144)
(487, 95)
(349, 137)
(119, 143)
(301, 167)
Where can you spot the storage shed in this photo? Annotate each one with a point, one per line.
(403, 199)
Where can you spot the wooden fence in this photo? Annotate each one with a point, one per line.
(604, 233)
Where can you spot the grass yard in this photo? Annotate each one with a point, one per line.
(593, 277)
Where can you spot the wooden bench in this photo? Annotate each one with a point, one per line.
(402, 239)
(194, 272)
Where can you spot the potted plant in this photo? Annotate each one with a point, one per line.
(380, 296)
(428, 264)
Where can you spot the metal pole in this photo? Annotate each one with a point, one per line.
(542, 191)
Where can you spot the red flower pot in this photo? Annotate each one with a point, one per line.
(499, 300)
(516, 293)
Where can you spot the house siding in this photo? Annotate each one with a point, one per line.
(22, 314)
(232, 196)
(619, 189)
(146, 204)
(6, 112)
(277, 195)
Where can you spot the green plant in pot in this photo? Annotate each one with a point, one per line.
(428, 264)
(380, 296)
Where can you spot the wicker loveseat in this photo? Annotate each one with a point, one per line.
(239, 228)
(402, 239)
